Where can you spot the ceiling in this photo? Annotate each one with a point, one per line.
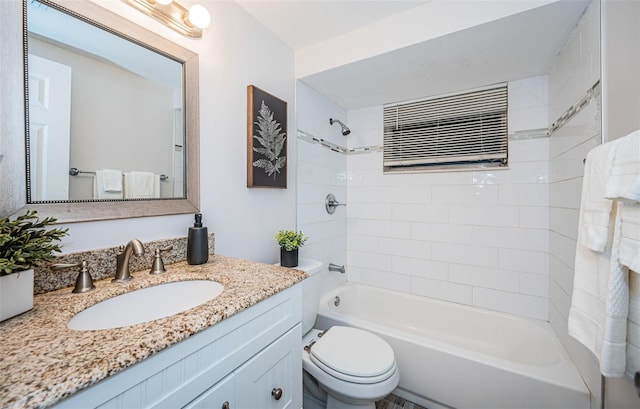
(516, 47)
(301, 23)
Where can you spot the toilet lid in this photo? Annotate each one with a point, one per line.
(353, 355)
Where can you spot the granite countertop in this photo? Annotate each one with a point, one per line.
(42, 361)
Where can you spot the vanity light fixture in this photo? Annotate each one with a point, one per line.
(175, 16)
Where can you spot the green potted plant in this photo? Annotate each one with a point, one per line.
(289, 242)
(24, 243)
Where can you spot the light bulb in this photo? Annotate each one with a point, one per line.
(199, 16)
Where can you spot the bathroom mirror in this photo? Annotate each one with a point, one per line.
(104, 93)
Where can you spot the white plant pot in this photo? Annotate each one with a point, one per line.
(16, 294)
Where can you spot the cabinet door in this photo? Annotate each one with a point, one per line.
(219, 396)
(272, 379)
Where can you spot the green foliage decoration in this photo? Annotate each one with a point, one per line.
(25, 242)
(272, 138)
(290, 240)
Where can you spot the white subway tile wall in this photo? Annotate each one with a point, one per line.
(573, 72)
(320, 172)
(475, 237)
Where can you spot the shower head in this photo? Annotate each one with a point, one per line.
(345, 129)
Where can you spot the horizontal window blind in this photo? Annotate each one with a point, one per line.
(453, 131)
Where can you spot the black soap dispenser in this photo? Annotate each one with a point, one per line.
(198, 243)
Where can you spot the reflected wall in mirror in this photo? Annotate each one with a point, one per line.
(112, 115)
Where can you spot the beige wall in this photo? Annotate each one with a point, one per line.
(621, 116)
(137, 135)
(621, 67)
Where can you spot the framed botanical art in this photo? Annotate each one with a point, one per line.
(266, 139)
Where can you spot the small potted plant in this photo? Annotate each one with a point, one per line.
(289, 242)
(24, 243)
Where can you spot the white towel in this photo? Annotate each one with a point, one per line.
(99, 184)
(600, 299)
(587, 314)
(141, 185)
(624, 180)
(111, 180)
(614, 345)
(593, 227)
(633, 325)
(630, 235)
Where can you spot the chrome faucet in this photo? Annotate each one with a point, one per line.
(335, 267)
(122, 259)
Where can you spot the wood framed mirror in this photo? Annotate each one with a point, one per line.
(174, 162)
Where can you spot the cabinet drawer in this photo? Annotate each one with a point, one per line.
(273, 378)
(219, 396)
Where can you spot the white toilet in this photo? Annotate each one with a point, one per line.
(343, 367)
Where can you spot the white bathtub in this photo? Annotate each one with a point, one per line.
(452, 355)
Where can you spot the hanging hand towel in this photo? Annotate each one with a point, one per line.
(630, 235)
(99, 186)
(156, 186)
(624, 180)
(614, 345)
(140, 185)
(111, 180)
(593, 227)
(593, 319)
(633, 329)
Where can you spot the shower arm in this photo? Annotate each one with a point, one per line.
(330, 203)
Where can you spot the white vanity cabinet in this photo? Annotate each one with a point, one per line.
(247, 361)
(270, 380)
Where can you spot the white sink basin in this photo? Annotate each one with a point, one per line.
(146, 305)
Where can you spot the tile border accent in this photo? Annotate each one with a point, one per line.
(590, 95)
(307, 137)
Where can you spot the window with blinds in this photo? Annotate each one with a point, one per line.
(459, 131)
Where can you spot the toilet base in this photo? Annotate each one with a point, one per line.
(333, 403)
(316, 397)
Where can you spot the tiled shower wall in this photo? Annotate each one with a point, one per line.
(321, 171)
(574, 71)
(473, 237)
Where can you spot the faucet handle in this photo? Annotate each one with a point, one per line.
(158, 265)
(84, 282)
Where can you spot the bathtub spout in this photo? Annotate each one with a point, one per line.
(335, 267)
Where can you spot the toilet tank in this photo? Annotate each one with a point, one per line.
(310, 291)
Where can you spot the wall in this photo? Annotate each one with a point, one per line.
(574, 71)
(235, 51)
(621, 68)
(621, 115)
(478, 238)
(321, 171)
(142, 138)
(12, 150)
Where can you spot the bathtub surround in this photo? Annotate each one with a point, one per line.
(321, 170)
(472, 237)
(102, 262)
(573, 72)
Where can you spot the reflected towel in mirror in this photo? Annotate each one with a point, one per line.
(105, 185)
(141, 185)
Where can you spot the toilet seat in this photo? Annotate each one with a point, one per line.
(353, 355)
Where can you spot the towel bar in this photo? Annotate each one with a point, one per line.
(76, 172)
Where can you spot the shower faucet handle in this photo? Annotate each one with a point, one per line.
(330, 203)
